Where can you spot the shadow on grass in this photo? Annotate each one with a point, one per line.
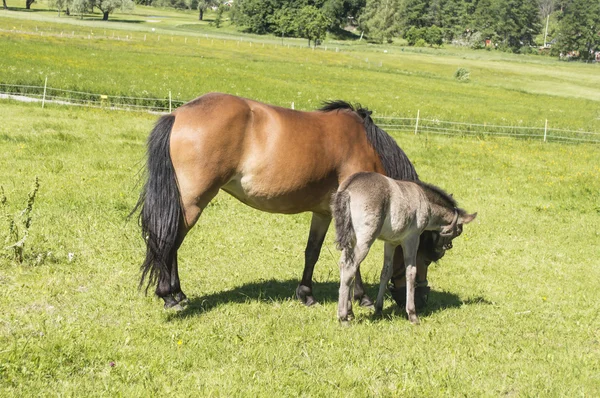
(325, 292)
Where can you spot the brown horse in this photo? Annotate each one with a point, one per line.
(270, 158)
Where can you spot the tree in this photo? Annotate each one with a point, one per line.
(338, 11)
(4, 4)
(284, 22)
(434, 36)
(108, 6)
(381, 20)
(312, 24)
(60, 4)
(79, 7)
(219, 17)
(255, 15)
(546, 7)
(579, 28)
(519, 22)
(415, 13)
(28, 4)
(203, 6)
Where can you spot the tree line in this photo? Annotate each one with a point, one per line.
(570, 27)
(510, 25)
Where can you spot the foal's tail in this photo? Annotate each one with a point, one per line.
(160, 202)
(344, 229)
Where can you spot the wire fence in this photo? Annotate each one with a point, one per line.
(418, 125)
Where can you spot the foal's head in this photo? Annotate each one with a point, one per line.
(450, 221)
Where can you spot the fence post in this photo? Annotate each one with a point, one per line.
(417, 123)
(292, 105)
(169, 101)
(44, 96)
(545, 130)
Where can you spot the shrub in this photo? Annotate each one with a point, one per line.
(462, 75)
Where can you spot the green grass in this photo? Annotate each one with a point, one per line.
(504, 89)
(514, 308)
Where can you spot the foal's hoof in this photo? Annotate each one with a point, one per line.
(345, 323)
(304, 294)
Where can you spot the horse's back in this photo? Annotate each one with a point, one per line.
(271, 158)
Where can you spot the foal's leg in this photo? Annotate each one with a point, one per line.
(318, 229)
(410, 246)
(386, 274)
(348, 267)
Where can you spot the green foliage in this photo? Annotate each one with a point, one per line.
(462, 75)
(18, 226)
(380, 21)
(509, 23)
(218, 16)
(580, 28)
(108, 6)
(267, 16)
(312, 24)
(434, 36)
(415, 34)
(419, 37)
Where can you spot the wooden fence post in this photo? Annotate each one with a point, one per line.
(44, 96)
(417, 123)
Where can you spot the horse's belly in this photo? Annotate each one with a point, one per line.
(286, 198)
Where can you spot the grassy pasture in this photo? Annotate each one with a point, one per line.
(514, 308)
(515, 305)
(504, 89)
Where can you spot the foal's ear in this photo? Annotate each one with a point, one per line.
(467, 218)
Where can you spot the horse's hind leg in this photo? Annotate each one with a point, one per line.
(194, 199)
(318, 229)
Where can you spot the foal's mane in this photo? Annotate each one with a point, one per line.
(394, 160)
(437, 195)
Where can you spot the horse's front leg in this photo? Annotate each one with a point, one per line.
(386, 274)
(318, 229)
(410, 246)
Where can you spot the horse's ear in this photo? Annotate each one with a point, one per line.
(467, 218)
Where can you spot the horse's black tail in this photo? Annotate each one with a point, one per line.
(160, 203)
(344, 230)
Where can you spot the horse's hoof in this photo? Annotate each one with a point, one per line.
(170, 302)
(184, 302)
(366, 302)
(304, 294)
(413, 319)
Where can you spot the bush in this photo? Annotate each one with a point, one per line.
(462, 75)
(434, 36)
(413, 35)
(421, 43)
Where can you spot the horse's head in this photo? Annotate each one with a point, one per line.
(438, 242)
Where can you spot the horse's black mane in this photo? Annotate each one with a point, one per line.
(394, 160)
(438, 195)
